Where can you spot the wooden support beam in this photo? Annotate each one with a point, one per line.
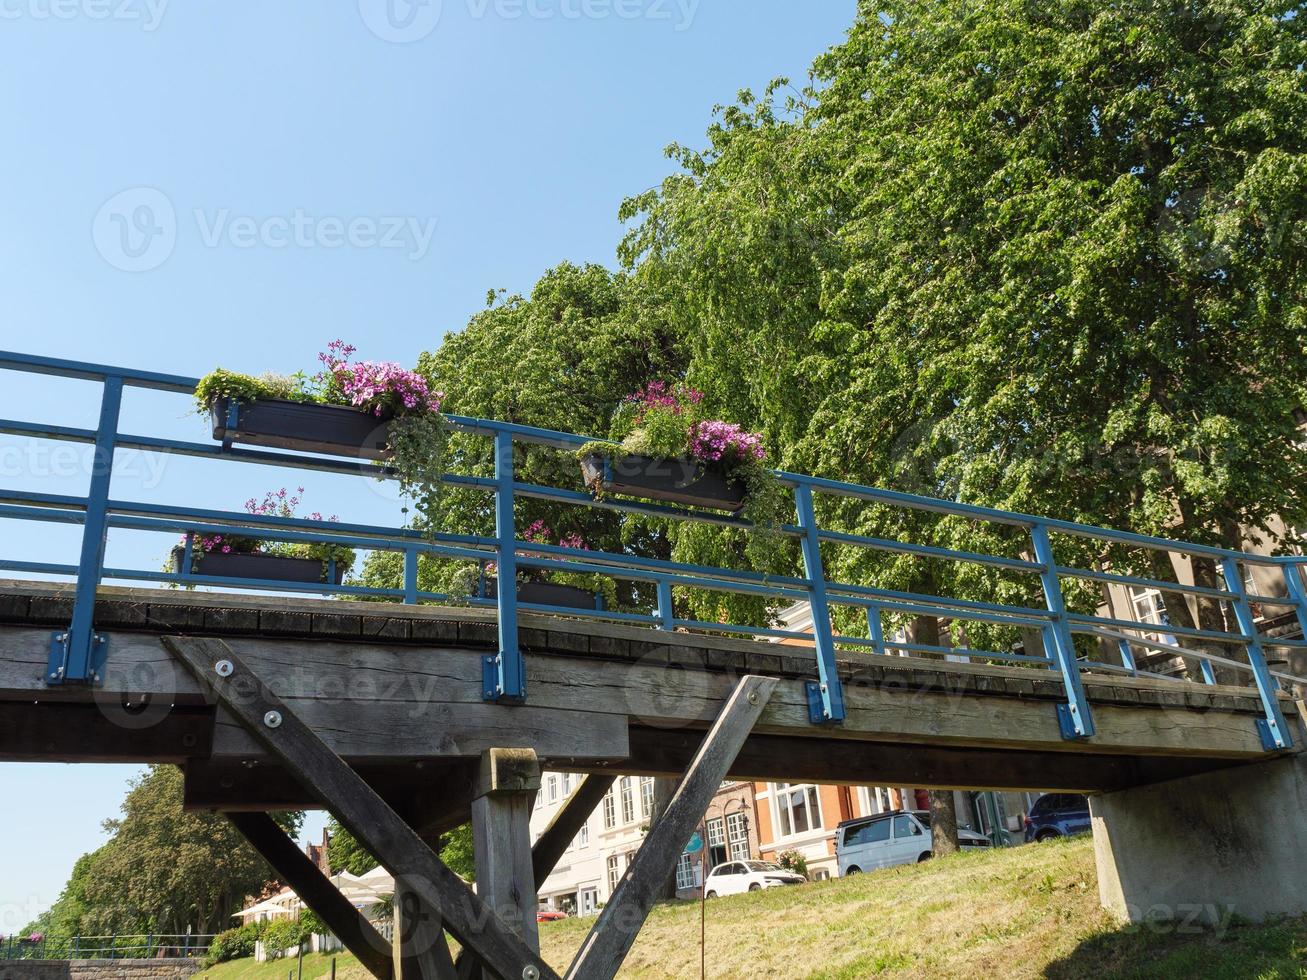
(295, 869)
(113, 731)
(501, 836)
(611, 937)
(377, 827)
(421, 951)
(566, 824)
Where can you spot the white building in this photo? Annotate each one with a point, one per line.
(597, 858)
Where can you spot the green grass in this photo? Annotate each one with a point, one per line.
(1020, 912)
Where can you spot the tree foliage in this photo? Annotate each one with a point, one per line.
(163, 870)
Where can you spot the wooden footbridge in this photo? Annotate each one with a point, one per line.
(408, 717)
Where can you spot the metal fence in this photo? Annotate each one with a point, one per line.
(77, 653)
(143, 946)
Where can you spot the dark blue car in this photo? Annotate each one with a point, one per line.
(1057, 815)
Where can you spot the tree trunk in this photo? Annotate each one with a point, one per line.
(943, 812)
(943, 823)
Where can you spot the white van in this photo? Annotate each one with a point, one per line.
(888, 839)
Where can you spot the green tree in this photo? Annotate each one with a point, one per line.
(344, 852)
(561, 358)
(164, 869)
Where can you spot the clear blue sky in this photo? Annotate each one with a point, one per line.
(363, 169)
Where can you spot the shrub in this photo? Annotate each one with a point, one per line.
(793, 861)
(281, 935)
(235, 943)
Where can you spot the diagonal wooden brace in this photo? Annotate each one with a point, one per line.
(295, 869)
(562, 830)
(611, 937)
(358, 807)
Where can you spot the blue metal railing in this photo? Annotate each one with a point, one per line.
(78, 653)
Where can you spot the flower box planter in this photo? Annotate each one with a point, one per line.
(547, 594)
(337, 430)
(681, 481)
(272, 568)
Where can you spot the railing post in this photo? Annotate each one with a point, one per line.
(665, 613)
(1294, 588)
(504, 674)
(1274, 731)
(1127, 656)
(410, 576)
(1074, 716)
(876, 630)
(77, 654)
(826, 694)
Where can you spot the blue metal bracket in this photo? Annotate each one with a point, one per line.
(505, 673)
(829, 692)
(1075, 721)
(233, 422)
(77, 654)
(56, 672)
(1066, 721)
(1272, 727)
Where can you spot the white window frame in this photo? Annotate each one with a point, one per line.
(610, 810)
(551, 788)
(614, 873)
(628, 800)
(647, 796)
(783, 806)
(689, 871)
(737, 837)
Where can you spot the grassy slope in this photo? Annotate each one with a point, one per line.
(1024, 912)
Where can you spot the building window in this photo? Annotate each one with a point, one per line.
(797, 808)
(551, 788)
(716, 833)
(583, 835)
(647, 796)
(567, 783)
(614, 874)
(688, 871)
(628, 801)
(1149, 606)
(737, 837)
(610, 811)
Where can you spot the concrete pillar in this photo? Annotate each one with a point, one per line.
(507, 782)
(1205, 848)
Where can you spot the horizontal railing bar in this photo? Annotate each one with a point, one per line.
(966, 652)
(1178, 651)
(399, 538)
(696, 624)
(1270, 641)
(1161, 585)
(1117, 668)
(37, 430)
(581, 498)
(13, 361)
(930, 551)
(1270, 600)
(523, 433)
(42, 499)
(48, 514)
(661, 565)
(265, 585)
(940, 612)
(1130, 624)
(42, 567)
(1038, 616)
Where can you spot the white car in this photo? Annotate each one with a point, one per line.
(888, 839)
(737, 877)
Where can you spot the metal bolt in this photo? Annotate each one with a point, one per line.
(223, 668)
(753, 697)
(530, 972)
(272, 719)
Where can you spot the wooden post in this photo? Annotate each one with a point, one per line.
(356, 805)
(567, 823)
(612, 935)
(317, 891)
(420, 950)
(501, 835)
